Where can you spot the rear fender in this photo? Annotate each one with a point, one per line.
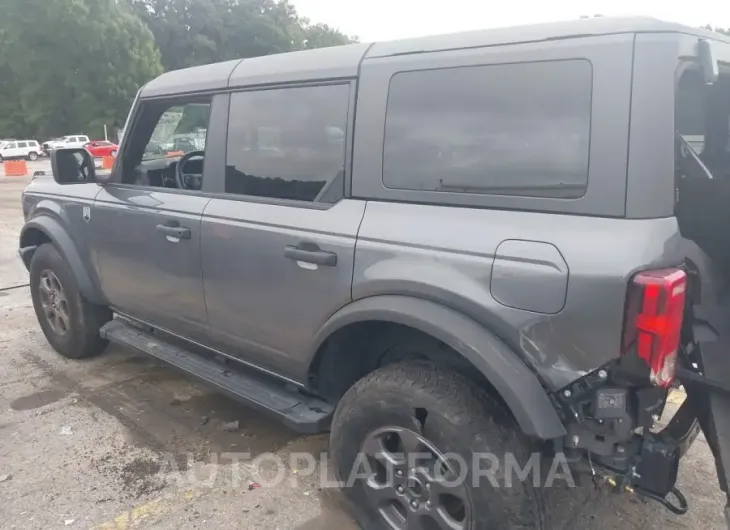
(517, 385)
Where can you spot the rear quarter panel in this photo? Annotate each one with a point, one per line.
(563, 329)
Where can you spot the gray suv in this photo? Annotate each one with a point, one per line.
(445, 250)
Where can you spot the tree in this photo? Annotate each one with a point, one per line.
(194, 32)
(719, 30)
(70, 65)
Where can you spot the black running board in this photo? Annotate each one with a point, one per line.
(304, 414)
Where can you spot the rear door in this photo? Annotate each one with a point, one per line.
(278, 243)
(10, 150)
(147, 231)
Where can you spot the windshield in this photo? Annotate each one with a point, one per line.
(180, 130)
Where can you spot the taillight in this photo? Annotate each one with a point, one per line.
(654, 311)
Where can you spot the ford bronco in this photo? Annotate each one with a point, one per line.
(510, 242)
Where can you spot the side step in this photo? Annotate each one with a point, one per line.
(304, 414)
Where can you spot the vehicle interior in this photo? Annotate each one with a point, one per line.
(702, 117)
(168, 146)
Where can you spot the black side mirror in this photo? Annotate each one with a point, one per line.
(72, 166)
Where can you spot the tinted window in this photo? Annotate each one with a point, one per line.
(515, 129)
(22, 144)
(288, 143)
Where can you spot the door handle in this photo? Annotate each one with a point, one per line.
(311, 254)
(176, 231)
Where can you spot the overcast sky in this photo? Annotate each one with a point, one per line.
(375, 20)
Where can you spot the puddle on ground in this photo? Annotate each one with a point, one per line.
(38, 399)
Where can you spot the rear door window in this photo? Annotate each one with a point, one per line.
(22, 144)
(288, 143)
(509, 129)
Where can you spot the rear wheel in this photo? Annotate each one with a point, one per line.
(33, 156)
(70, 323)
(410, 442)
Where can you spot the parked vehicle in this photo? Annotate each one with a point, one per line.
(101, 148)
(67, 142)
(490, 243)
(25, 149)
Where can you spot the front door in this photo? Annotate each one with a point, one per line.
(278, 244)
(147, 228)
(148, 249)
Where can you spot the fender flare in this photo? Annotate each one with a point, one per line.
(65, 245)
(518, 386)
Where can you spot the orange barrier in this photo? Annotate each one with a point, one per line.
(107, 162)
(15, 168)
(171, 154)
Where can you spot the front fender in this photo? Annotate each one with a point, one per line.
(52, 229)
(518, 386)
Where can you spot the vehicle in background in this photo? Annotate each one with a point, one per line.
(27, 149)
(67, 142)
(101, 148)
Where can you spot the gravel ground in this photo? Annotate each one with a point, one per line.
(122, 442)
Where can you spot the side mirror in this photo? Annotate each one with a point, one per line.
(72, 166)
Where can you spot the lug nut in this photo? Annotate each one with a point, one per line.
(602, 374)
(428, 504)
(399, 490)
(567, 393)
(399, 473)
(414, 505)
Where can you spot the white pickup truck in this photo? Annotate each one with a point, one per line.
(71, 141)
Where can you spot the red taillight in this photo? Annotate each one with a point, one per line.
(654, 311)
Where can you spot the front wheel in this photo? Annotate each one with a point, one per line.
(33, 157)
(70, 323)
(410, 443)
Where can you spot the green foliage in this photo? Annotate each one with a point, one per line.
(194, 32)
(71, 66)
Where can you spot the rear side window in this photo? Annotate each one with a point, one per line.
(22, 144)
(288, 143)
(512, 129)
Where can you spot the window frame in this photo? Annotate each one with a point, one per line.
(217, 178)
(611, 58)
(132, 126)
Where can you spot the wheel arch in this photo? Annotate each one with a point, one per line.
(513, 381)
(46, 229)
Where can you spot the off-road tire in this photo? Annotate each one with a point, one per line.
(32, 157)
(82, 338)
(461, 418)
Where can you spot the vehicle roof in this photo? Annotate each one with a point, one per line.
(344, 61)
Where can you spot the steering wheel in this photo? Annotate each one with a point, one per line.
(183, 179)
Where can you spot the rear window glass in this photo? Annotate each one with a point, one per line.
(513, 129)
